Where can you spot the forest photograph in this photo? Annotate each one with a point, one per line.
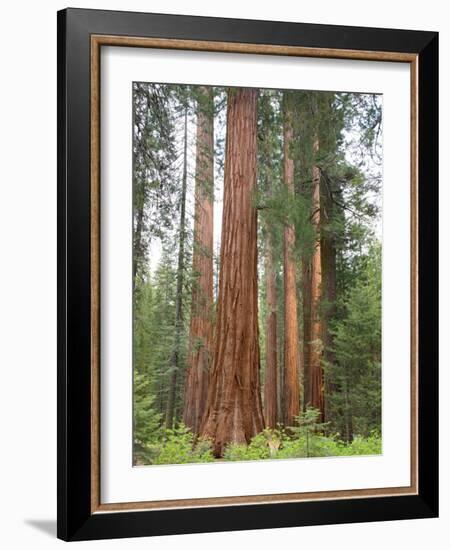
(257, 269)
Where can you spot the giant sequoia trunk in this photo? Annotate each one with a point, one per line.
(234, 408)
(316, 378)
(201, 323)
(271, 375)
(175, 359)
(291, 390)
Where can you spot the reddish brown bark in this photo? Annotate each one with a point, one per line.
(234, 408)
(280, 348)
(316, 377)
(271, 375)
(306, 299)
(201, 322)
(291, 390)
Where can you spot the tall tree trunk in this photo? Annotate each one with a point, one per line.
(280, 348)
(175, 360)
(271, 381)
(306, 302)
(316, 380)
(201, 323)
(234, 408)
(291, 388)
(328, 249)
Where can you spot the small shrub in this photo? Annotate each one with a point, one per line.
(363, 445)
(264, 445)
(179, 446)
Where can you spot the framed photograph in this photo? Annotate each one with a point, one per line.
(247, 255)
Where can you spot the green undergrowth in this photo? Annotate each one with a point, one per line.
(180, 446)
(266, 446)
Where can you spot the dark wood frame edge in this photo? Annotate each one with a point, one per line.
(97, 41)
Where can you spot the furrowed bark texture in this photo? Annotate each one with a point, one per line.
(291, 388)
(271, 375)
(234, 408)
(316, 381)
(201, 322)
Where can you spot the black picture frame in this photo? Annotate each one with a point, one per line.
(75, 518)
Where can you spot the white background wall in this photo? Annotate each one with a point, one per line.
(28, 272)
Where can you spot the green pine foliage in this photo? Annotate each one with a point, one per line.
(356, 408)
(146, 419)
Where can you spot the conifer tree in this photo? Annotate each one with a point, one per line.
(234, 408)
(201, 321)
